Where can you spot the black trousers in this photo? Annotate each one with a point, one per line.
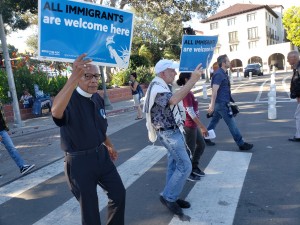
(196, 144)
(84, 172)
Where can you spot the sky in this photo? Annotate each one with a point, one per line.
(19, 38)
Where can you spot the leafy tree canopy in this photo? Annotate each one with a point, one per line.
(158, 24)
(15, 13)
(291, 22)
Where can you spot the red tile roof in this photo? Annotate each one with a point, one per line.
(238, 9)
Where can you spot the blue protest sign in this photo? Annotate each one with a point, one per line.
(69, 28)
(196, 49)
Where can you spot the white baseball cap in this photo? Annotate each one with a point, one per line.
(164, 64)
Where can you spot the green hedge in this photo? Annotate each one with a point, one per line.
(144, 76)
(24, 79)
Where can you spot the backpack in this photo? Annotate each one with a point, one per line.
(140, 91)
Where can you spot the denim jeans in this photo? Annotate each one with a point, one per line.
(222, 111)
(7, 142)
(179, 163)
(297, 118)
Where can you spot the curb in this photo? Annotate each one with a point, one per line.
(18, 132)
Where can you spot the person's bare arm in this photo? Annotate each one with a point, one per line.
(182, 92)
(62, 99)
(214, 93)
(200, 125)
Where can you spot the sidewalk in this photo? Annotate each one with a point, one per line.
(45, 122)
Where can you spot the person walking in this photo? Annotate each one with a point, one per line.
(135, 91)
(10, 147)
(293, 59)
(219, 104)
(192, 127)
(164, 120)
(79, 112)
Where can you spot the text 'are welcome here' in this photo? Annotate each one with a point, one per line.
(84, 24)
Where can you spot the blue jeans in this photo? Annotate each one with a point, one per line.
(222, 111)
(179, 163)
(14, 154)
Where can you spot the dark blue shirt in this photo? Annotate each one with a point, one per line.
(220, 78)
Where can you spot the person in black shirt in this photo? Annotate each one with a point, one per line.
(293, 59)
(79, 112)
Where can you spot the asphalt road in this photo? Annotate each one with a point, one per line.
(259, 187)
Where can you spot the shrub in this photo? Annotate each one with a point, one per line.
(144, 76)
(4, 88)
(26, 80)
(137, 61)
(121, 78)
(56, 84)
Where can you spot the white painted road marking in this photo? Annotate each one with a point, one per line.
(25, 183)
(130, 171)
(260, 90)
(214, 199)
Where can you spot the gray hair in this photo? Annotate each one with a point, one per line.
(294, 53)
(90, 66)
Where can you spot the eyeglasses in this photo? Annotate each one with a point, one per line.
(89, 76)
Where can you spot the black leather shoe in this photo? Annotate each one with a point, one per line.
(209, 142)
(183, 204)
(172, 206)
(294, 139)
(246, 146)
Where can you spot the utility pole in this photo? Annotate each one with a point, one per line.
(105, 96)
(10, 77)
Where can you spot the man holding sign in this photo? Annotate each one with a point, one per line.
(79, 112)
(164, 120)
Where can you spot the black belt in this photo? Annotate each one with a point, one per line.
(168, 128)
(84, 152)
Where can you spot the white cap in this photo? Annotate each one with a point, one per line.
(164, 64)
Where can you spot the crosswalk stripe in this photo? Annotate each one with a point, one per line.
(69, 212)
(25, 183)
(214, 199)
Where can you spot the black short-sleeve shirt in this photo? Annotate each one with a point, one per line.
(84, 123)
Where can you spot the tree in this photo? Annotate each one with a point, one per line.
(291, 22)
(11, 13)
(15, 13)
(11, 49)
(159, 24)
(32, 42)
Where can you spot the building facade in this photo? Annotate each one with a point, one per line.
(250, 33)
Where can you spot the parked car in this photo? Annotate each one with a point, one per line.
(255, 68)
